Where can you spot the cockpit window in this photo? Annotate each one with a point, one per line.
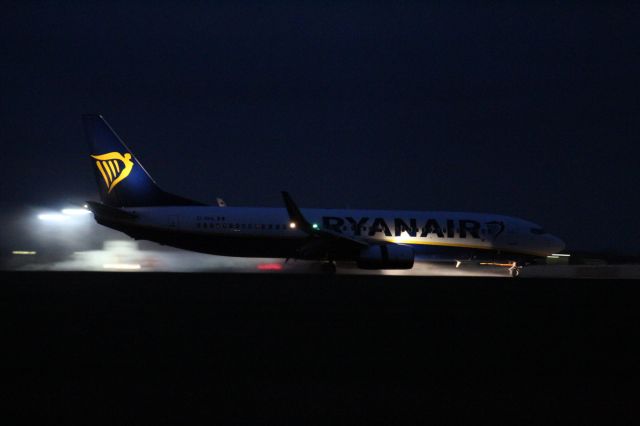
(537, 231)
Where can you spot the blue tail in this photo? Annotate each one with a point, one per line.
(122, 180)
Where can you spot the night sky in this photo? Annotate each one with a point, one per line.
(525, 109)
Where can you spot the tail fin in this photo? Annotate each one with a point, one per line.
(122, 180)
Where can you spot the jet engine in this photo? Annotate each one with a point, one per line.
(386, 256)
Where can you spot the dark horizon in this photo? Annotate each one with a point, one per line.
(526, 110)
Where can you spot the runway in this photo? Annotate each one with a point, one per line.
(123, 255)
(274, 348)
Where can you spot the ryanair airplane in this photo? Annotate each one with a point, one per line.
(133, 203)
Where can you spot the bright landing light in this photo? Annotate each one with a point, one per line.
(75, 212)
(63, 215)
(52, 217)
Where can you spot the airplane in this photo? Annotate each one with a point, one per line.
(132, 202)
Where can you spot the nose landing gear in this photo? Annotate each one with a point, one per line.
(514, 270)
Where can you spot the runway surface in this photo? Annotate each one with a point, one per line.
(264, 348)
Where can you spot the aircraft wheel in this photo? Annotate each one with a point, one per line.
(329, 268)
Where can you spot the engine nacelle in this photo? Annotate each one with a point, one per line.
(386, 256)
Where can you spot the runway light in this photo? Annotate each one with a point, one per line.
(75, 212)
(52, 217)
(122, 266)
(270, 267)
(23, 252)
(292, 225)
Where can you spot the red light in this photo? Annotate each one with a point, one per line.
(270, 267)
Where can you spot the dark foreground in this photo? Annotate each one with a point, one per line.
(169, 348)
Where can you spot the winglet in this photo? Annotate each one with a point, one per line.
(295, 215)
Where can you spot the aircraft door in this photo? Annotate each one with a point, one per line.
(512, 237)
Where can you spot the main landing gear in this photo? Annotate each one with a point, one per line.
(329, 268)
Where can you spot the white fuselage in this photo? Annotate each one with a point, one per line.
(445, 235)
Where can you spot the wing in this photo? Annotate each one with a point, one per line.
(321, 240)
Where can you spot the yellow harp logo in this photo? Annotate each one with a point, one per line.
(114, 167)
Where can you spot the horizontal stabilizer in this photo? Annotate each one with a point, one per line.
(108, 212)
